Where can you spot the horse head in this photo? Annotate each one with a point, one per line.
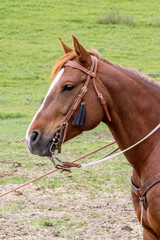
(66, 87)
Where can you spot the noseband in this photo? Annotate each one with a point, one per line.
(60, 133)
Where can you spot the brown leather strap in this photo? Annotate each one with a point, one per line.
(90, 73)
(140, 192)
(149, 184)
(101, 98)
(81, 68)
(61, 131)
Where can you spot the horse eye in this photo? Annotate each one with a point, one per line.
(68, 88)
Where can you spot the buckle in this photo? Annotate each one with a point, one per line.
(84, 89)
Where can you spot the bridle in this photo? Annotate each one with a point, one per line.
(60, 133)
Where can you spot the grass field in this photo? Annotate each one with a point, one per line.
(126, 32)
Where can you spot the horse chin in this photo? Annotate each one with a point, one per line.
(41, 149)
(47, 151)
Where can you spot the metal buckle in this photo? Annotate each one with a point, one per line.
(55, 141)
(100, 96)
(84, 89)
(141, 200)
(58, 139)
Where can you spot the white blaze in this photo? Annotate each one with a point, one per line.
(55, 81)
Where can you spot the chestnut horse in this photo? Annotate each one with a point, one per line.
(129, 105)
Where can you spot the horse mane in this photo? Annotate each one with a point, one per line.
(133, 73)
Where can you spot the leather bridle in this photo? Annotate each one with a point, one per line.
(60, 133)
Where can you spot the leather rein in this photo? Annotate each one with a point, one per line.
(60, 133)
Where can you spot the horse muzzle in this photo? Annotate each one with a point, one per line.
(39, 145)
(44, 145)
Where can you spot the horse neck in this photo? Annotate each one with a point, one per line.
(134, 105)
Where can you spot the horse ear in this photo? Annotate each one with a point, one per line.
(82, 54)
(66, 49)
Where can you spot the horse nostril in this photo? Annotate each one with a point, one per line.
(35, 136)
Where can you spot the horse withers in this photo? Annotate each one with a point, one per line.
(87, 90)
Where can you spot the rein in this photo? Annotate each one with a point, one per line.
(55, 170)
(125, 150)
(72, 164)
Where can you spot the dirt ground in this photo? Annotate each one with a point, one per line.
(34, 213)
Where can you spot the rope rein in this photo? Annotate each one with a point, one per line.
(125, 150)
(46, 174)
(88, 164)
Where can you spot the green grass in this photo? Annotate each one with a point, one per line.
(10, 208)
(126, 32)
(4, 116)
(14, 179)
(64, 226)
(58, 223)
(95, 215)
(116, 18)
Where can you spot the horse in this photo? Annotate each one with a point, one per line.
(88, 89)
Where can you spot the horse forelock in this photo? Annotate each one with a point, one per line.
(60, 63)
(69, 56)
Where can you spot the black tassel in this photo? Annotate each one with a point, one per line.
(80, 118)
